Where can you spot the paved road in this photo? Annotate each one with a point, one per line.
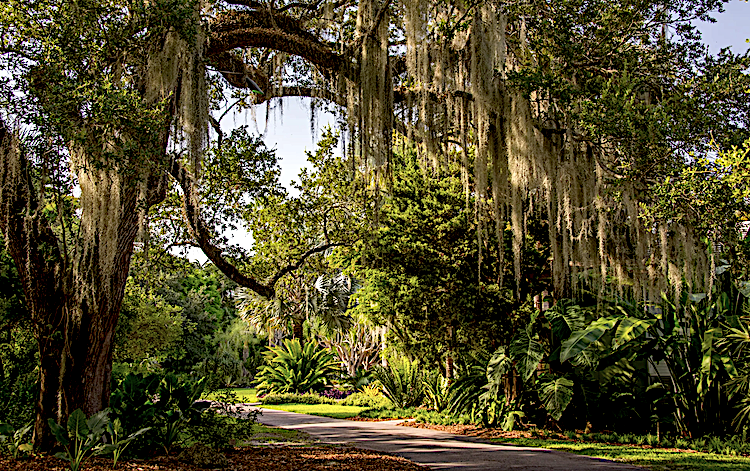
(437, 450)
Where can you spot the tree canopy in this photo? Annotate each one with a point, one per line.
(566, 112)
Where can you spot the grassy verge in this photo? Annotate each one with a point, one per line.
(243, 395)
(326, 410)
(262, 434)
(655, 459)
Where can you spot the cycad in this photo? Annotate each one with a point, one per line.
(402, 382)
(293, 368)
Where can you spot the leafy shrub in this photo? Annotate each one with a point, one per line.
(437, 418)
(359, 380)
(222, 426)
(464, 392)
(334, 393)
(682, 443)
(402, 382)
(292, 368)
(132, 401)
(436, 391)
(13, 442)
(397, 413)
(82, 438)
(293, 398)
(166, 404)
(362, 399)
(117, 442)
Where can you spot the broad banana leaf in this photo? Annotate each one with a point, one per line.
(629, 329)
(582, 339)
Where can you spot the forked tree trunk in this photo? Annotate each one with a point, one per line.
(109, 225)
(41, 267)
(74, 305)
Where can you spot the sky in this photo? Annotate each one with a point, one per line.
(290, 133)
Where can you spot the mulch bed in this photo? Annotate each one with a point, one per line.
(470, 430)
(369, 419)
(270, 458)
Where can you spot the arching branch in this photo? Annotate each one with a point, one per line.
(200, 233)
(255, 28)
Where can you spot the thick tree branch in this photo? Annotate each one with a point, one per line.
(294, 266)
(258, 28)
(200, 233)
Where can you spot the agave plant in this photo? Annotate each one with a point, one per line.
(293, 368)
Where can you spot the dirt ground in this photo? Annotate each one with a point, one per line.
(265, 458)
(471, 430)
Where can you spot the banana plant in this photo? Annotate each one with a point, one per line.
(571, 348)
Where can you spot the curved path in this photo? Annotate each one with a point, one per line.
(435, 449)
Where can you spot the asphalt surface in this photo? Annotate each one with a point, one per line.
(435, 449)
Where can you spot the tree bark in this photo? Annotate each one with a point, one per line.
(297, 331)
(36, 254)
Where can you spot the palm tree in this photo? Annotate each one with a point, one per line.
(295, 302)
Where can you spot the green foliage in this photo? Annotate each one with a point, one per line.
(82, 438)
(421, 273)
(293, 368)
(402, 382)
(165, 404)
(177, 407)
(438, 418)
(465, 391)
(362, 399)
(149, 329)
(389, 413)
(13, 442)
(555, 394)
(527, 351)
(117, 443)
(18, 352)
(132, 402)
(359, 380)
(436, 390)
(222, 425)
(296, 398)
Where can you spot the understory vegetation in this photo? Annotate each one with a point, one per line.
(530, 216)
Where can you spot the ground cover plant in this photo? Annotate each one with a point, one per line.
(335, 411)
(660, 459)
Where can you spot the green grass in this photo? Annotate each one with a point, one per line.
(243, 394)
(656, 459)
(262, 434)
(326, 410)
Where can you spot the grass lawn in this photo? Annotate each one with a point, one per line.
(656, 459)
(243, 394)
(262, 434)
(326, 410)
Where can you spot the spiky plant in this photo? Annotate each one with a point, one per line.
(293, 368)
(402, 382)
